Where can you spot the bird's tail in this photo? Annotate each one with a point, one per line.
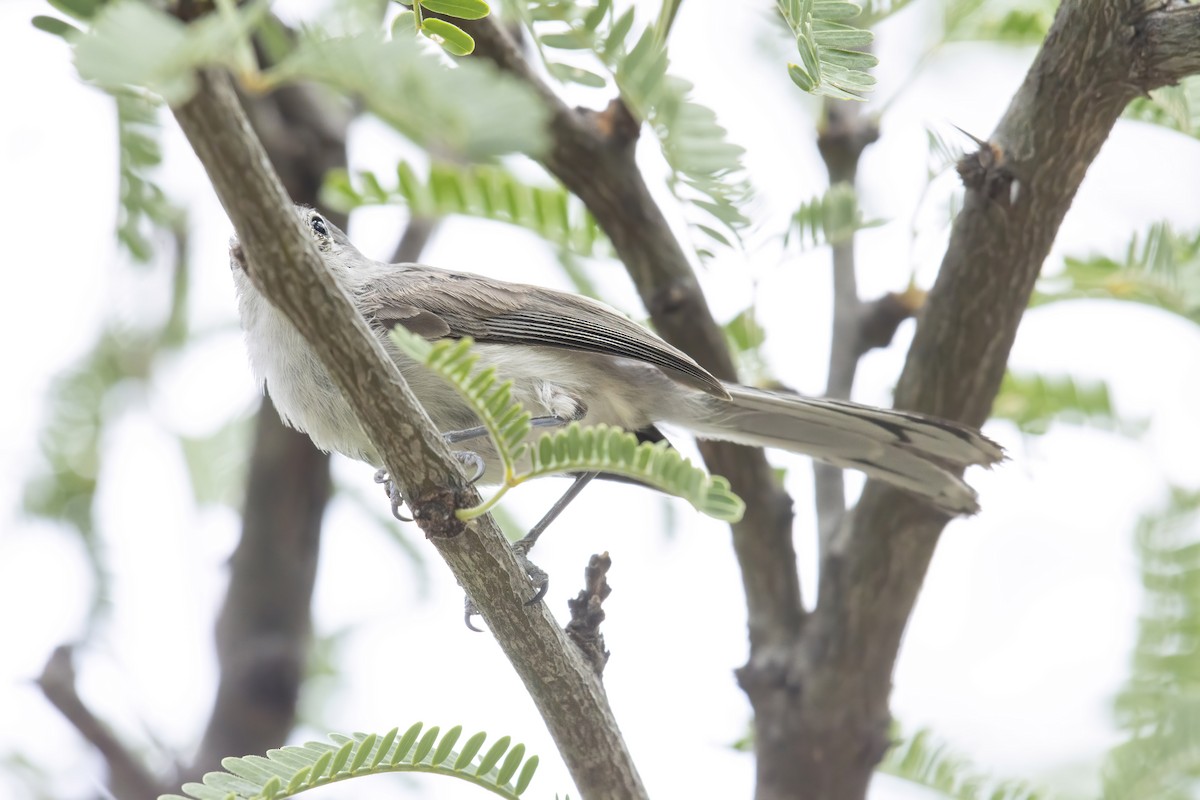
(924, 455)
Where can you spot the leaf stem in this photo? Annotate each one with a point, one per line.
(666, 18)
(468, 514)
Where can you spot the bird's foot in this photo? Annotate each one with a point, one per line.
(537, 576)
(393, 493)
(471, 461)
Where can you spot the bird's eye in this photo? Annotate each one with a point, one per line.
(318, 226)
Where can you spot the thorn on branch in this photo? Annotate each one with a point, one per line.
(615, 124)
(587, 613)
(984, 171)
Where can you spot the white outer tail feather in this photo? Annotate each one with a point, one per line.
(921, 454)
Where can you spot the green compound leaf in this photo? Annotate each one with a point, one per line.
(483, 190)
(922, 760)
(1176, 107)
(56, 26)
(598, 448)
(706, 168)
(830, 62)
(145, 210)
(571, 74)
(470, 111)
(832, 218)
(707, 172)
(1160, 268)
(1034, 402)
(506, 421)
(132, 44)
(461, 9)
(453, 39)
(603, 448)
(289, 771)
(1156, 709)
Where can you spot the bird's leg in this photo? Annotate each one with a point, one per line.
(569, 409)
(526, 543)
(521, 547)
(465, 435)
(393, 493)
(464, 457)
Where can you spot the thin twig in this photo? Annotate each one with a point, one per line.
(413, 241)
(587, 611)
(128, 777)
(846, 131)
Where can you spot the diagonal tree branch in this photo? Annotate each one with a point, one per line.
(127, 775)
(592, 153)
(289, 271)
(1165, 48)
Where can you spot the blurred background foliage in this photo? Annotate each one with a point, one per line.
(471, 122)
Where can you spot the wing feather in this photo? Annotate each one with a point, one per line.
(436, 303)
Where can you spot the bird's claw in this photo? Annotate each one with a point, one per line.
(469, 611)
(537, 575)
(469, 458)
(393, 493)
(473, 463)
(464, 457)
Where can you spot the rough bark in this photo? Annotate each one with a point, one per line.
(822, 707)
(289, 271)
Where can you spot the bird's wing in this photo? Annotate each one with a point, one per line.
(437, 304)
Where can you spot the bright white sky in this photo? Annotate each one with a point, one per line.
(1025, 625)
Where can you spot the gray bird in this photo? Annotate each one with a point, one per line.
(571, 358)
